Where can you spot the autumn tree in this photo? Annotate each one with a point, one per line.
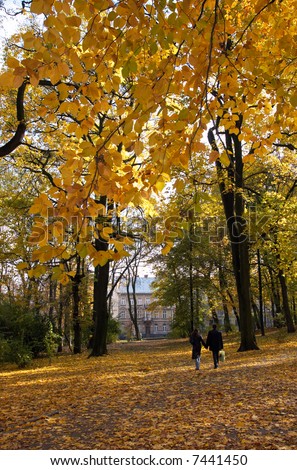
(276, 243)
(130, 90)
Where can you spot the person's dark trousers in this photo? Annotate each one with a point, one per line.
(215, 355)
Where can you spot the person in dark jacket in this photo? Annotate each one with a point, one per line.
(214, 342)
(196, 341)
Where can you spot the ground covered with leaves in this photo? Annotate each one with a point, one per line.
(147, 395)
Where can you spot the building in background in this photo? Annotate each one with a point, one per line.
(153, 321)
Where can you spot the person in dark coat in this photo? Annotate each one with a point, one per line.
(214, 342)
(196, 341)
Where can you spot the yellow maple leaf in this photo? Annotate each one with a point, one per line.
(101, 258)
(22, 265)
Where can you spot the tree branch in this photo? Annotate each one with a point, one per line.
(20, 132)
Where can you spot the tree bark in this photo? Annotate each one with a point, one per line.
(16, 140)
(256, 314)
(275, 296)
(286, 306)
(75, 315)
(60, 319)
(261, 316)
(135, 310)
(248, 340)
(101, 275)
(294, 310)
(230, 180)
(52, 301)
(234, 309)
(223, 285)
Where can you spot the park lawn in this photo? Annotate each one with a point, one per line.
(147, 395)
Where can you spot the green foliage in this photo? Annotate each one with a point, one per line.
(51, 341)
(113, 330)
(187, 274)
(22, 334)
(279, 320)
(4, 349)
(19, 354)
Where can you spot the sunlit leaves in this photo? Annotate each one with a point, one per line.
(126, 92)
(41, 6)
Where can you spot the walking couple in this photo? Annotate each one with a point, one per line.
(214, 342)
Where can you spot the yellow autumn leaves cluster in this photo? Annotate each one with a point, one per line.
(124, 93)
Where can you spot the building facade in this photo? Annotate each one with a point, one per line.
(153, 321)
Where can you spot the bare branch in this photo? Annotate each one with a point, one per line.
(20, 132)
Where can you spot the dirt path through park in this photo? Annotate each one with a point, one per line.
(147, 395)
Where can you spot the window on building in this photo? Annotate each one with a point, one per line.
(164, 313)
(122, 315)
(156, 327)
(147, 316)
(147, 301)
(139, 301)
(164, 327)
(123, 301)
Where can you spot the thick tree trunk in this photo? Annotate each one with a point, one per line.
(101, 275)
(248, 340)
(230, 180)
(98, 342)
(241, 268)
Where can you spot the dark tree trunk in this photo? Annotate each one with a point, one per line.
(230, 182)
(132, 308)
(286, 306)
(16, 140)
(192, 315)
(275, 298)
(261, 316)
(248, 340)
(256, 314)
(191, 284)
(52, 300)
(98, 342)
(197, 305)
(214, 314)
(76, 316)
(135, 312)
(223, 286)
(100, 304)
(227, 323)
(60, 319)
(294, 310)
(234, 309)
